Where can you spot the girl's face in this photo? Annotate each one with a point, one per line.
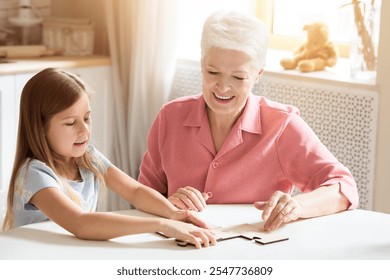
(69, 131)
(228, 78)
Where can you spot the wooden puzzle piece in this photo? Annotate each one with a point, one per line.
(247, 231)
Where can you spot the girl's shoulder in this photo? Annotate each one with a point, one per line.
(99, 159)
(33, 168)
(33, 176)
(34, 164)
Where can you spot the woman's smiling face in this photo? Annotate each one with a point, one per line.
(228, 78)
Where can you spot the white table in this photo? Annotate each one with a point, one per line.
(355, 234)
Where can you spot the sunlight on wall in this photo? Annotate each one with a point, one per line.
(193, 13)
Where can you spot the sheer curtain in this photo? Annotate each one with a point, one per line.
(142, 39)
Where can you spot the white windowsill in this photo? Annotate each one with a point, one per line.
(338, 74)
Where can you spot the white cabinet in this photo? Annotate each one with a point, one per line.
(11, 86)
(9, 108)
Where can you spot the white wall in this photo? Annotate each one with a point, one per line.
(382, 177)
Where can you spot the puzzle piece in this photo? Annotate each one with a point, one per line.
(247, 231)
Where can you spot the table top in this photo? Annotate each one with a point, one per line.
(354, 234)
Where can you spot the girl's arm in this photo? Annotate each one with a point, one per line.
(145, 198)
(103, 226)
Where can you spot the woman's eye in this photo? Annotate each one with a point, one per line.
(70, 124)
(87, 119)
(212, 72)
(239, 78)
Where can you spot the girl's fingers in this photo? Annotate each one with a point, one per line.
(193, 219)
(200, 237)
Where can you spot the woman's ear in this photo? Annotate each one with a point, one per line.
(261, 71)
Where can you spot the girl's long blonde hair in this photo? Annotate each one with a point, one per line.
(49, 92)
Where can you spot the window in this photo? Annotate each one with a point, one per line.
(285, 19)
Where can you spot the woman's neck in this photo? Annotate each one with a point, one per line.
(220, 126)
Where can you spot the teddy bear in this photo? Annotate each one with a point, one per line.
(317, 53)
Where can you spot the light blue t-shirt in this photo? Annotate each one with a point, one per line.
(35, 175)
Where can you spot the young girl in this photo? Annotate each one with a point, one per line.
(58, 175)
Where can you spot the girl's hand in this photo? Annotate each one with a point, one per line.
(189, 198)
(188, 233)
(188, 217)
(279, 209)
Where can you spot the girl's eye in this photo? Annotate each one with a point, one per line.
(70, 124)
(87, 119)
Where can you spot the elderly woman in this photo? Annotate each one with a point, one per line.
(230, 146)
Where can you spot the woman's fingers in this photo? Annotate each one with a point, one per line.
(189, 198)
(177, 202)
(280, 208)
(273, 206)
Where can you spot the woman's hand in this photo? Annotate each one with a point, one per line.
(189, 233)
(189, 198)
(279, 209)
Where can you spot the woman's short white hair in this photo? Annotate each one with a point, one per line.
(236, 31)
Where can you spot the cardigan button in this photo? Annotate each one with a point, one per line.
(215, 164)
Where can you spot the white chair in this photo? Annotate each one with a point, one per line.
(3, 206)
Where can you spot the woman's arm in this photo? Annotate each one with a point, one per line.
(322, 201)
(282, 208)
(327, 185)
(151, 172)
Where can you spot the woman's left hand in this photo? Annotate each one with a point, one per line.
(279, 209)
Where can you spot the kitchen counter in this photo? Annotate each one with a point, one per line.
(17, 66)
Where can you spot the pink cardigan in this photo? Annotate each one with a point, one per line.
(270, 148)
